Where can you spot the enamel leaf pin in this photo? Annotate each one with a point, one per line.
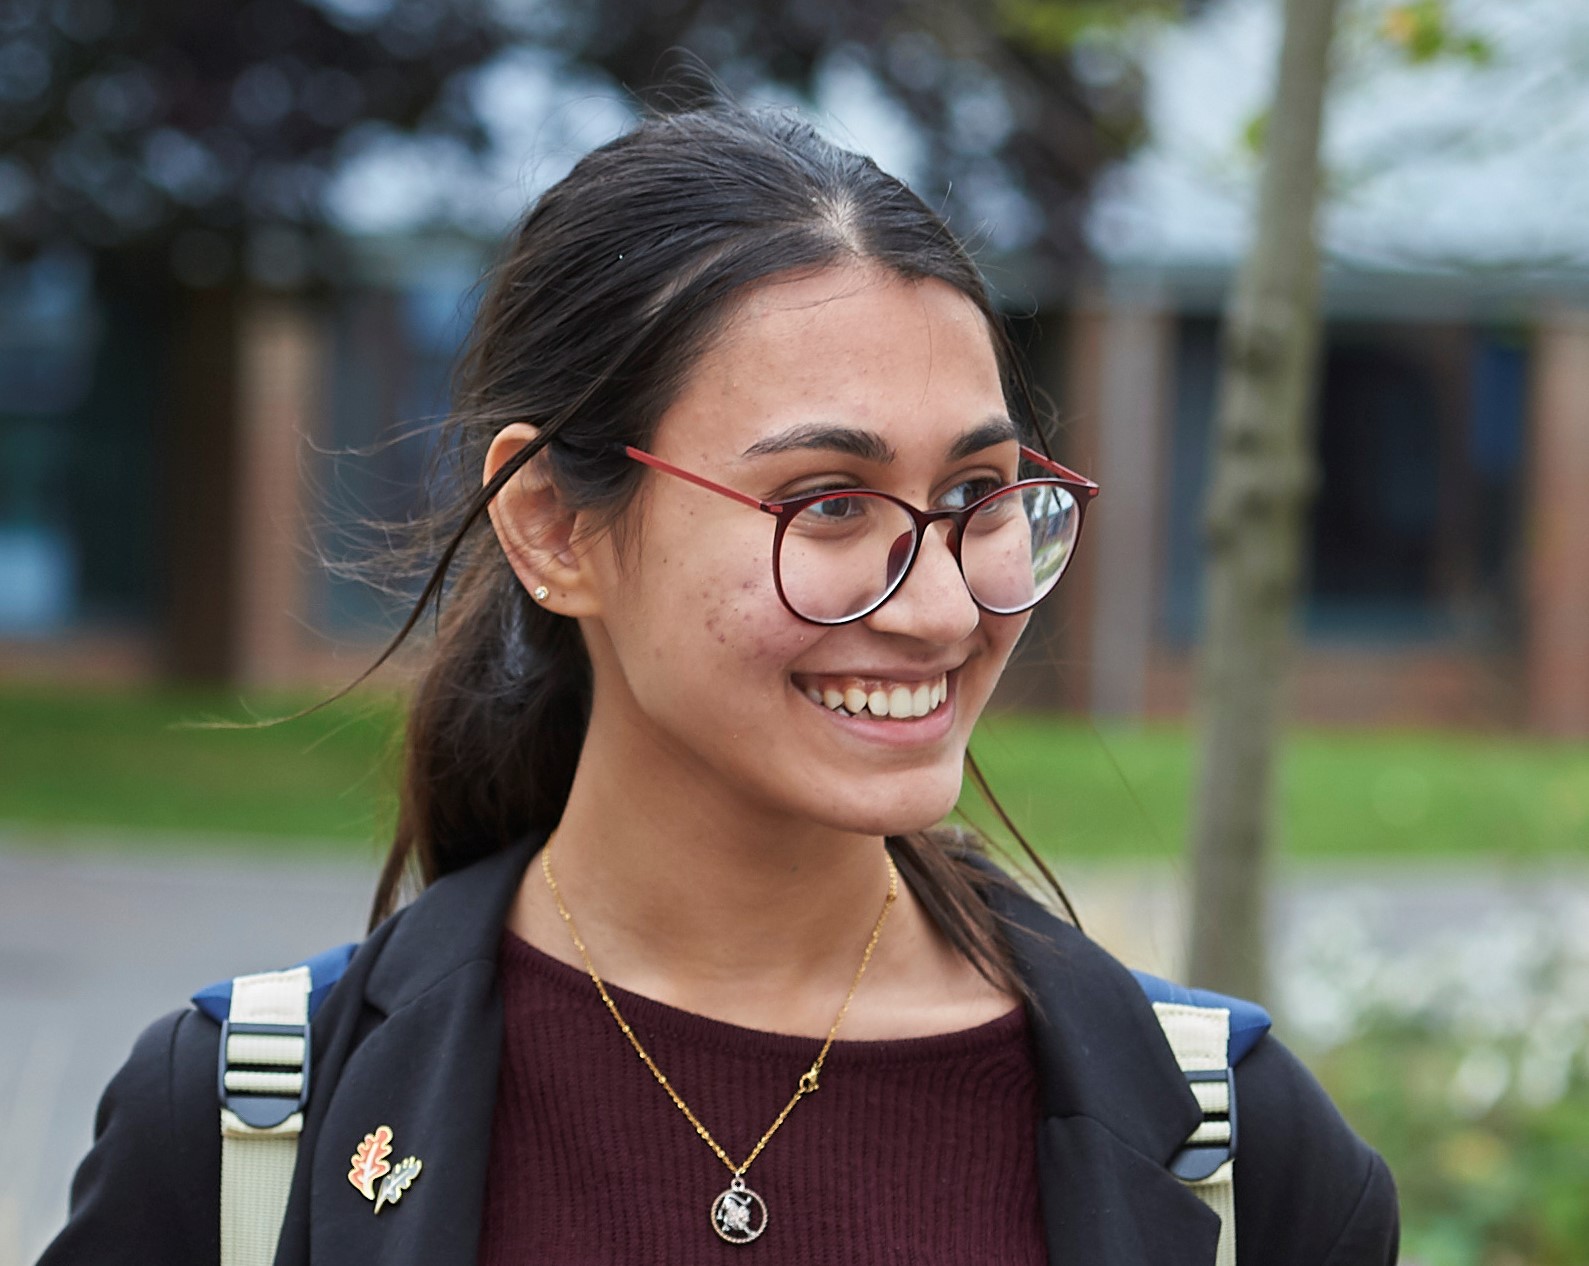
(370, 1166)
(399, 1181)
(369, 1160)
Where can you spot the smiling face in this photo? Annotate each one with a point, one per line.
(849, 377)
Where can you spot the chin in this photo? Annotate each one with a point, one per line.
(901, 812)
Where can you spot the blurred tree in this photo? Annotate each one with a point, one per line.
(189, 150)
(1262, 486)
(1257, 503)
(180, 138)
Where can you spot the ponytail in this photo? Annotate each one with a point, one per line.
(493, 735)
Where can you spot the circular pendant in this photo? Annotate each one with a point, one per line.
(739, 1215)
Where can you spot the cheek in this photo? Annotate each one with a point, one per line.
(1004, 633)
(712, 613)
(734, 603)
(744, 620)
(1000, 635)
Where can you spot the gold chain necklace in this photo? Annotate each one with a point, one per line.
(738, 1215)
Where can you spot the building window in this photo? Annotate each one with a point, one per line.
(77, 538)
(1419, 447)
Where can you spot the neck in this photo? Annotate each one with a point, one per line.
(709, 907)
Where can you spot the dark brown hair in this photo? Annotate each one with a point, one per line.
(609, 289)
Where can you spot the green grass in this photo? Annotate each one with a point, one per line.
(1080, 790)
(76, 763)
(82, 762)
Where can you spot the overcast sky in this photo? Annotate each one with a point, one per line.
(1449, 163)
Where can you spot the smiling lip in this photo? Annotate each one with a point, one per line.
(880, 697)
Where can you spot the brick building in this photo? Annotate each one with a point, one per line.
(1449, 558)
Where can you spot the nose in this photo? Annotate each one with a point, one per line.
(933, 604)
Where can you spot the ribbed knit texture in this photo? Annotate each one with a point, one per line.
(918, 1151)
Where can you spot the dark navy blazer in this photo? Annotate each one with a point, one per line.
(410, 1037)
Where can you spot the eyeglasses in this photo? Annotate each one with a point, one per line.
(839, 554)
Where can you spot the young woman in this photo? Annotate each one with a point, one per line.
(759, 512)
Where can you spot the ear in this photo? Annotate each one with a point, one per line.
(538, 532)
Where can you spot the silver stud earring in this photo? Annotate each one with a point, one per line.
(540, 593)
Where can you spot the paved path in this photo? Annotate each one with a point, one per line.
(93, 947)
(91, 950)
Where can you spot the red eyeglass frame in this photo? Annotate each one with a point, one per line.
(1082, 489)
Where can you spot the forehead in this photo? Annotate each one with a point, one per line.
(855, 346)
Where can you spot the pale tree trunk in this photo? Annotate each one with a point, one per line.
(1263, 478)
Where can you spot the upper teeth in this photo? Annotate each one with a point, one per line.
(881, 698)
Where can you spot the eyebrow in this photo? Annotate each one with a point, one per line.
(871, 447)
(849, 440)
(994, 431)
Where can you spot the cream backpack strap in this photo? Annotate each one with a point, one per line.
(1200, 1038)
(263, 1081)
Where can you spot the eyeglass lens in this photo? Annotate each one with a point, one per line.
(841, 556)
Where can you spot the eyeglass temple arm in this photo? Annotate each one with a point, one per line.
(700, 481)
(1064, 472)
(640, 455)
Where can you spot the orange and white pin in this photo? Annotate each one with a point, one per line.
(371, 1166)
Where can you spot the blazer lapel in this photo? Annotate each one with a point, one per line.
(1115, 1105)
(1106, 1204)
(429, 1074)
(414, 1047)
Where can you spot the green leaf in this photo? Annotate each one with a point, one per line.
(1477, 50)
(1053, 27)
(1424, 32)
(1255, 133)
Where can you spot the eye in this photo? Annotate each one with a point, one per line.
(846, 518)
(970, 490)
(837, 509)
(835, 482)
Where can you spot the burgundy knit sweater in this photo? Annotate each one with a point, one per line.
(918, 1151)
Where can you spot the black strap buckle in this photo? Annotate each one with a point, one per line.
(1198, 1161)
(262, 1111)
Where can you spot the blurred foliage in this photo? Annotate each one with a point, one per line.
(1457, 1043)
(1255, 132)
(1058, 25)
(186, 136)
(174, 126)
(1492, 1170)
(1420, 33)
(1426, 31)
